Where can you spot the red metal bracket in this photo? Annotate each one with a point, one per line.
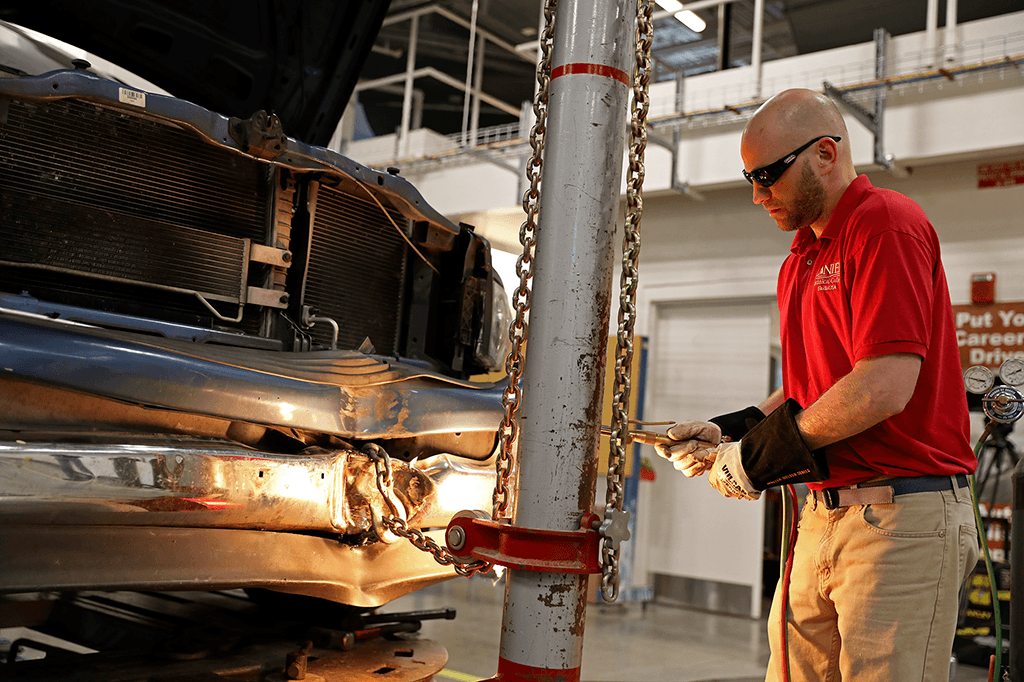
(527, 549)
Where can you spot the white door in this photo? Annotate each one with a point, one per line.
(707, 358)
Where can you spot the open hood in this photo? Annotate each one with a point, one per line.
(298, 58)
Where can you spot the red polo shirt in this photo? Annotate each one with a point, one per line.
(873, 284)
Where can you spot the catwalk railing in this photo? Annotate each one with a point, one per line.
(689, 106)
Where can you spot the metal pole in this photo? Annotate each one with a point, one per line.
(724, 36)
(950, 47)
(478, 81)
(1017, 577)
(410, 67)
(417, 109)
(931, 28)
(469, 74)
(680, 103)
(881, 71)
(755, 45)
(542, 627)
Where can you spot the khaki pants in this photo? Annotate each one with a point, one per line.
(875, 589)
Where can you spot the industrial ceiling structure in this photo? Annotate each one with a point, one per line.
(791, 27)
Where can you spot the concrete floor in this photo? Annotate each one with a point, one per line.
(623, 643)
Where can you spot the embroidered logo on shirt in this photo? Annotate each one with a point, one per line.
(827, 278)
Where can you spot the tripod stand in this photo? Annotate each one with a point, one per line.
(996, 460)
(975, 641)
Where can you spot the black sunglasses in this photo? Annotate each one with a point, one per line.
(766, 176)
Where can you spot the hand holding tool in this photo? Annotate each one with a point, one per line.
(689, 445)
(691, 449)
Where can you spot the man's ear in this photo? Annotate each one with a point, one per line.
(827, 153)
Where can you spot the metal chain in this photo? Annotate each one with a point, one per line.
(627, 291)
(512, 397)
(395, 522)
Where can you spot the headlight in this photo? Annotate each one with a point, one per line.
(493, 345)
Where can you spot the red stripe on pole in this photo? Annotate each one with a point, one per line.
(595, 69)
(517, 672)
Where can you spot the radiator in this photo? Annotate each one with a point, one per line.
(110, 208)
(94, 199)
(356, 271)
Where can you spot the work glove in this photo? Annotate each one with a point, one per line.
(728, 475)
(735, 425)
(692, 455)
(771, 453)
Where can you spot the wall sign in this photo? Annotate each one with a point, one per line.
(1001, 174)
(989, 334)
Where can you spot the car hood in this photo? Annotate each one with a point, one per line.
(298, 58)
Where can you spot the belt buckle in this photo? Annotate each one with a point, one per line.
(831, 498)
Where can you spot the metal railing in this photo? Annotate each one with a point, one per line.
(937, 68)
(492, 135)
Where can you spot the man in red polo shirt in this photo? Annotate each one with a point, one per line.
(872, 414)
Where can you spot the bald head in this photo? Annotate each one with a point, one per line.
(784, 124)
(795, 116)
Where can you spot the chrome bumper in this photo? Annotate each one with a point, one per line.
(188, 515)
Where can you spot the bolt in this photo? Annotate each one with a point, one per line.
(80, 64)
(295, 662)
(392, 170)
(297, 669)
(286, 256)
(284, 298)
(456, 538)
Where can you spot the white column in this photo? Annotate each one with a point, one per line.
(469, 73)
(410, 66)
(931, 28)
(951, 33)
(755, 46)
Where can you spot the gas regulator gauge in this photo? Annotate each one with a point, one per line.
(1012, 372)
(978, 379)
(1003, 404)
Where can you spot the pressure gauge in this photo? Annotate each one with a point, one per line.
(1012, 372)
(978, 379)
(1003, 404)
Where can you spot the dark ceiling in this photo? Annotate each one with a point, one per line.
(299, 59)
(791, 27)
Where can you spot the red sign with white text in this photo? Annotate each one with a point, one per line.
(1001, 174)
(989, 334)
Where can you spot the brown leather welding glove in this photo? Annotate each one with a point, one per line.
(774, 452)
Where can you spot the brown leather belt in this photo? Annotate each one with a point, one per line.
(884, 491)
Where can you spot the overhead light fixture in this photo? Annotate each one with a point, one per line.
(670, 5)
(684, 16)
(690, 20)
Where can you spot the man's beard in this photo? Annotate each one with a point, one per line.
(808, 204)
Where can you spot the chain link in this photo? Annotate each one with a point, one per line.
(512, 397)
(627, 291)
(396, 523)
